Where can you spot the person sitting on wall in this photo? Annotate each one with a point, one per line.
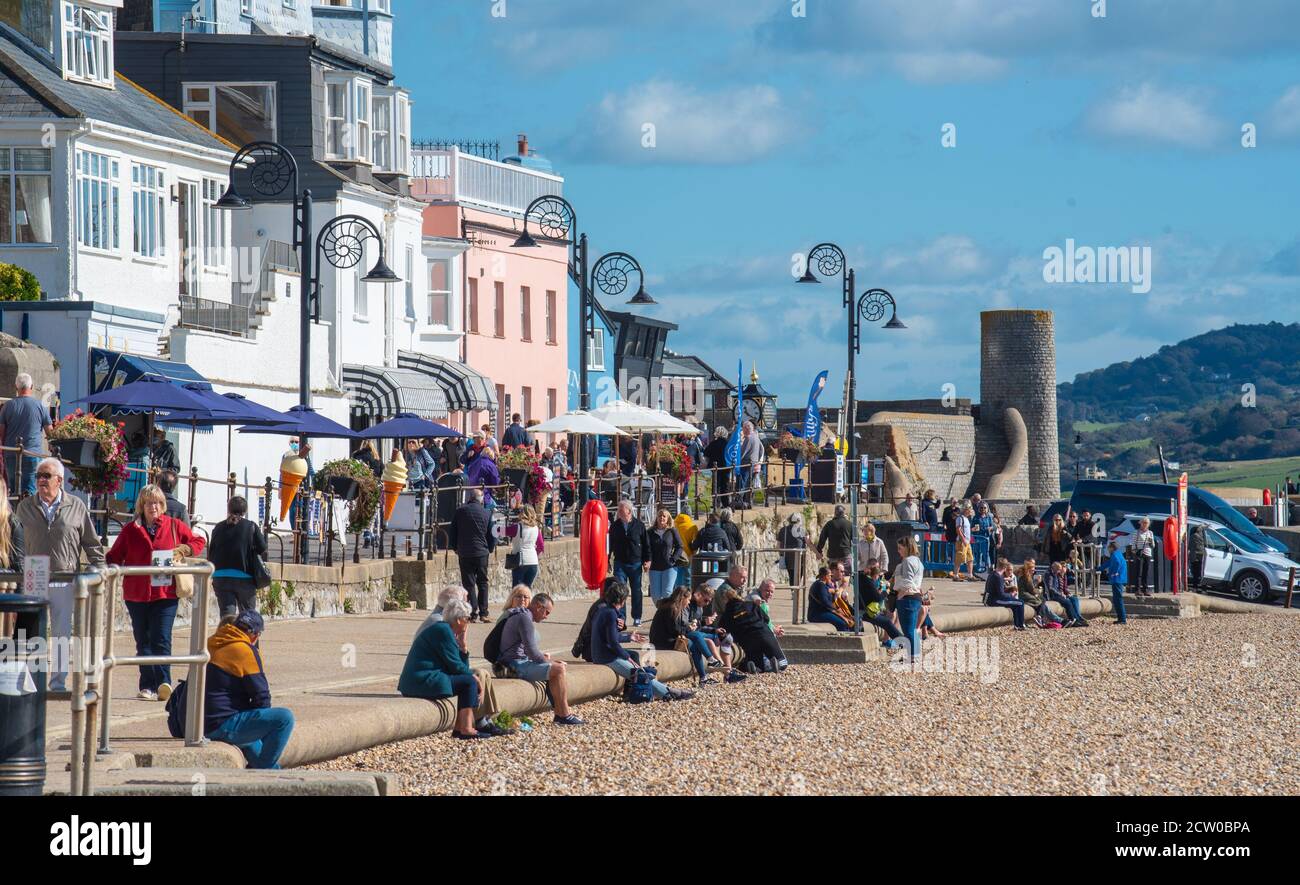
(999, 590)
(437, 666)
(821, 598)
(872, 592)
(1028, 590)
(748, 623)
(607, 644)
(524, 659)
(237, 697)
(1056, 586)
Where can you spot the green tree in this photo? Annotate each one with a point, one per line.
(18, 284)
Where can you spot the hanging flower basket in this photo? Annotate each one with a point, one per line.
(672, 458)
(795, 448)
(99, 465)
(538, 487)
(345, 472)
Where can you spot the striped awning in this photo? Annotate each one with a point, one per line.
(466, 390)
(382, 392)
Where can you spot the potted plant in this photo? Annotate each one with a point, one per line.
(672, 458)
(538, 486)
(516, 464)
(96, 450)
(344, 488)
(795, 448)
(366, 501)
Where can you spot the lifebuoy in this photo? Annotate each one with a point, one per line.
(594, 544)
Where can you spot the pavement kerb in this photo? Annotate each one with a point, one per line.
(398, 719)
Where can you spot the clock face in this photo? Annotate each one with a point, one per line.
(753, 411)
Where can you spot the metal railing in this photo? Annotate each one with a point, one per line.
(216, 316)
(94, 662)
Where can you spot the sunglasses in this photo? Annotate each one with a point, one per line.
(45, 476)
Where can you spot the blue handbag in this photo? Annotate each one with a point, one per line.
(639, 688)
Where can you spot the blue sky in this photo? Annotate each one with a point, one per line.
(774, 132)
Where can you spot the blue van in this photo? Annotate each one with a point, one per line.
(1114, 498)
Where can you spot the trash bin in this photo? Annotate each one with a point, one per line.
(707, 564)
(890, 532)
(22, 697)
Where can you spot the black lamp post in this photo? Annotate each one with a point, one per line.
(829, 260)
(556, 220)
(273, 172)
(943, 455)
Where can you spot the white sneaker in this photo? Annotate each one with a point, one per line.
(164, 691)
(147, 695)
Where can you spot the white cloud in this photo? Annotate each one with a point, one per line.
(725, 126)
(1153, 114)
(945, 259)
(948, 67)
(1286, 115)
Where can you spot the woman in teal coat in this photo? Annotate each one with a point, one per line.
(437, 667)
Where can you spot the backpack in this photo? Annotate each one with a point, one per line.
(176, 710)
(492, 645)
(639, 688)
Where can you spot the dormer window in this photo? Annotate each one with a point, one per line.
(348, 121)
(87, 44)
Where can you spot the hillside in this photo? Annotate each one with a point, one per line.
(1190, 397)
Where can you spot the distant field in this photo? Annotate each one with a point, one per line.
(1094, 426)
(1246, 474)
(1131, 444)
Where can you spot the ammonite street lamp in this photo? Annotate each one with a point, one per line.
(555, 219)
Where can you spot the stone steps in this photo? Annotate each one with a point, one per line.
(240, 782)
(1182, 605)
(833, 648)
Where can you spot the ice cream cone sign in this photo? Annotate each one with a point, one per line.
(293, 468)
(394, 480)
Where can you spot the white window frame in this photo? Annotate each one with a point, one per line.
(9, 175)
(362, 96)
(360, 296)
(383, 151)
(355, 119)
(246, 8)
(402, 141)
(410, 283)
(86, 56)
(445, 293)
(99, 201)
(189, 106)
(599, 336)
(149, 201)
(337, 149)
(216, 230)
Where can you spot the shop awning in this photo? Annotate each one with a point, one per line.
(110, 369)
(466, 390)
(382, 392)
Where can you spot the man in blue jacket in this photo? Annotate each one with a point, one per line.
(1116, 571)
(515, 434)
(237, 700)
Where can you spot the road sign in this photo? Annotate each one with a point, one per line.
(839, 474)
(36, 576)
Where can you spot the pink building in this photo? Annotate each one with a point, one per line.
(515, 301)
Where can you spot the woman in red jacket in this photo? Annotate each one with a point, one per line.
(151, 538)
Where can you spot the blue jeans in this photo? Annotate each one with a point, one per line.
(29, 473)
(1070, 604)
(1117, 599)
(631, 572)
(830, 618)
(525, 575)
(151, 622)
(260, 734)
(1017, 610)
(625, 668)
(683, 576)
(465, 688)
(662, 584)
(909, 617)
(698, 644)
(980, 545)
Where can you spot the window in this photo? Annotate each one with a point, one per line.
(550, 316)
(246, 7)
(526, 412)
(382, 140)
(402, 161)
(473, 306)
(503, 406)
(25, 215)
(361, 92)
(148, 211)
(336, 119)
(596, 350)
(238, 112)
(440, 294)
(215, 244)
(98, 199)
(410, 282)
(87, 44)
(550, 403)
(525, 313)
(360, 296)
(499, 311)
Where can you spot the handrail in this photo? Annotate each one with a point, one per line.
(94, 662)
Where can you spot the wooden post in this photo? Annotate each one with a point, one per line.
(1290, 586)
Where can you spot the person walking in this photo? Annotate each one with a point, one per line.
(962, 554)
(23, 422)
(526, 543)
(236, 544)
(58, 525)
(666, 549)
(792, 539)
(418, 464)
(153, 538)
(751, 461)
(908, 576)
(1116, 572)
(470, 535)
(836, 539)
(871, 547)
(629, 548)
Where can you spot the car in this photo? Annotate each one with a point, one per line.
(1233, 562)
(1112, 499)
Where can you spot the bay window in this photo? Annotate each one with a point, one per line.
(348, 120)
(98, 201)
(382, 116)
(148, 211)
(361, 93)
(402, 120)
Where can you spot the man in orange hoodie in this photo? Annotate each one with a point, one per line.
(237, 706)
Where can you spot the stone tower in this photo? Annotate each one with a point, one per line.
(1018, 371)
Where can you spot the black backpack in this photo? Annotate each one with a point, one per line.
(176, 709)
(582, 645)
(492, 645)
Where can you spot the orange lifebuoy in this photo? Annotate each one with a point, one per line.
(594, 544)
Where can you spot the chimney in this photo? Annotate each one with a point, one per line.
(523, 144)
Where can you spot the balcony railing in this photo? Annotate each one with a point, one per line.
(452, 175)
(216, 316)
